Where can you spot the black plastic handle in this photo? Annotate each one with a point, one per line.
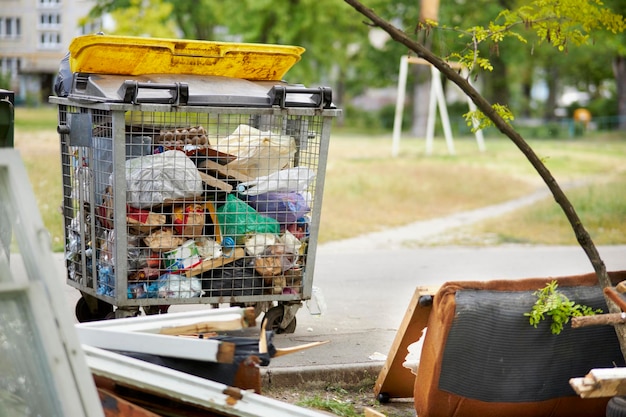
(321, 97)
(178, 93)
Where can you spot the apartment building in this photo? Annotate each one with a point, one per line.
(34, 37)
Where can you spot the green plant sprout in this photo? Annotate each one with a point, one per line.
(556, 305)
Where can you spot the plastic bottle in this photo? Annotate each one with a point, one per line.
(228, 246)
(228, 242)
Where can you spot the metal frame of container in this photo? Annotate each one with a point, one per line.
(97, 137)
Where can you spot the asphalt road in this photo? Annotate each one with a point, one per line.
(368, 292)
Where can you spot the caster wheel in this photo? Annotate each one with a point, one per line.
(152, 310)
(616, 407)
(261, 307)
(273, 317)
(85, 314)
(425, 301)
(383, 398)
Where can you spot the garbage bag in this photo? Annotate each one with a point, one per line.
(152, 179)
(296, 179)
(63, 81)
(237, 219)
(234, 279)
(286, 208)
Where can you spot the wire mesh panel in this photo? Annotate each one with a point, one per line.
(198, 205)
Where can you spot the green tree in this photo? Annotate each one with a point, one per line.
(618, 44)
(339, 52)
(138, 20)
(327, 29)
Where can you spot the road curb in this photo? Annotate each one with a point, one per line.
(303, 376)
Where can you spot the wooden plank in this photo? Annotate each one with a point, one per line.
(370, 412)
(394, 380)
(154, 323)
(115, 406)
(209, 264)
(215, 183)
(208, 350)
(601, 382)
(224, 170)
(234, 322)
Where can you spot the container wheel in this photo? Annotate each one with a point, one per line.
(616, 407)
(86, 312)
(152, 310)
(383, 397)
(273, 319)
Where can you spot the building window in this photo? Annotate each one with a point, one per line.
(10, 27)
(49, 3)
(10, 66)
(47, 20)
(49, 40)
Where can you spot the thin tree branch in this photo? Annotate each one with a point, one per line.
(483, 105)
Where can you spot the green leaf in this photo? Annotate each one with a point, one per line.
(557, 306)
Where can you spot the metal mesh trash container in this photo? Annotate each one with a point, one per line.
(192, 189)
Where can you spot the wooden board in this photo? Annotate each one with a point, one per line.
(394, 380)
(223, 170)
(209, 264)
(215, 183)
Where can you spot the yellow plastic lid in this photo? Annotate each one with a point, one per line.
(125, 55)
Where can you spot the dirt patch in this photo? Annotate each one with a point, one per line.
(358, 396)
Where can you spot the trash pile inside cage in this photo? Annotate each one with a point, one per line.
(181, 188)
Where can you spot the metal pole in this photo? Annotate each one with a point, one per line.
(397, 123)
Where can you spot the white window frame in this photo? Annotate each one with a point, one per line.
(49, 39)
(12, 23)
(65, 371)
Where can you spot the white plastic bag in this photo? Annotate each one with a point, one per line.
(258, 153)
(295, 179)
(152, 179)
(179, 286)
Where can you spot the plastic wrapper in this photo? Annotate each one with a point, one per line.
(237, 219)
(163, 240)
(184, 257)
(256, 244)
(295, 179)
(258, 153)
(275, 260)
(143, 221)
(208, 248)
(189, 219)
(285, 207)
(106, 281)
(137, 255)
(153, 179)
(179, 286)
(167, 286)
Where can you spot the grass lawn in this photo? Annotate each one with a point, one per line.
(368, 190)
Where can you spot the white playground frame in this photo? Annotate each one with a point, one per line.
(437, 98)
